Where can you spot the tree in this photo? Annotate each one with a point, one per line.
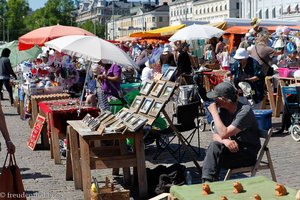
(15, 15)
(3, 10)
(97, 28)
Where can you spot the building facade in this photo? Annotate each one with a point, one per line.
(142, 20)
(202, 10)
(271, 9)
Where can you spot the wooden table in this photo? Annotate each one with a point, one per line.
(103, 157)
(259, 185)
(57, 112)
(35, 99)
(276, 101)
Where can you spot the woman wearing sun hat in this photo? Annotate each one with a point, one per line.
(246, 69)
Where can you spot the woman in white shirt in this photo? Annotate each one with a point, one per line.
(147, 73)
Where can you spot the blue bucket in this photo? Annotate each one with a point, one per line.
(263, 118)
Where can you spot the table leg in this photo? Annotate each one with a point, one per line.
(85, 168)
(54, 141)
(69, 169)
(141, 166)
(75, 158)
(279, 98)
(126, 170)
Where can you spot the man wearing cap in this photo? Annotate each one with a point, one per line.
(246, 69)
(236, 137)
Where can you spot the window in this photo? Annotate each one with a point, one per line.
(220, 8)
(216, 8)
(207, 10)
(259, 14)
(196, 12)
(153, 19)
(237, 5)
(267, 13)
(212, 9)
(225, 7)
(160, 19)
(191, 10)
(200, 11)
(273, 12)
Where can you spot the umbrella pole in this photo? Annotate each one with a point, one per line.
(84, 87)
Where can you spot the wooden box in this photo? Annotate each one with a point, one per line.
(106, 193)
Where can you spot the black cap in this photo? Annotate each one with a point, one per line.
(224, 89)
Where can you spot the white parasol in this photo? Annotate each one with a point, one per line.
(197, 32)
(91, 48)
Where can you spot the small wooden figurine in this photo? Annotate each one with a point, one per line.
(224, 198)
(257, 197)
(280, 190)
(237, 187)
(298, 195)
(205, 189)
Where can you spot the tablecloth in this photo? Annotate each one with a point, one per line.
(259, 184)
(63, 110)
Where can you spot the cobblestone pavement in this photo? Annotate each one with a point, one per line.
(45, 180)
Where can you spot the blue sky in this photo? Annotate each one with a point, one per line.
(35, 4)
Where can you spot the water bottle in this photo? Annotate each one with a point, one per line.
(188, 178)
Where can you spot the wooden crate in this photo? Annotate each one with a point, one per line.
(106, 193)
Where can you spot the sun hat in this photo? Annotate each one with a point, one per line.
(241, 53)
(224, 89)
(166, 49)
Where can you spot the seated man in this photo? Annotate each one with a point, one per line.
(236, 139)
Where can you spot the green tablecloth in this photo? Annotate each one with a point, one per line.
(259, 184)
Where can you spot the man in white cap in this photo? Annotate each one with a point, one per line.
(246, 69)
(236, 138)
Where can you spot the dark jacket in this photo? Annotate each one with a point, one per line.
(6, 69)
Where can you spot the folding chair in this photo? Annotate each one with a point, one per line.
(186, 116)
(260, 164)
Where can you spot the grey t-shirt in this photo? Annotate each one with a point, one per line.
(244, 119)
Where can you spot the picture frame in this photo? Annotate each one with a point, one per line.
(168, 75)
(86, 118)
(131, 119)
(121, 112)
(157, 88)
(104, 115)
(167, 91)
(137, 124)
(136, 104)
(147, 103)
(156, 107)
(147, 87)
(115, 127)
(93, 125)
(125, 115)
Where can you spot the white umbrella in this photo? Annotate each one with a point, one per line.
(197, 32)
(91, 48)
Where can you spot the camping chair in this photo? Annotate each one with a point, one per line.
(260, 164)
(186, 116)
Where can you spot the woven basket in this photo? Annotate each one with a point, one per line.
(213, 66)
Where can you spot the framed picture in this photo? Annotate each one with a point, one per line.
(136, 104)
(169, 74)
(158, 87)
(115, 127)
(131, 119)
(125, 116)
(146, 105)
(156, 107)
(147, 87)
(104, 115)
(86, 118)
(167, 90)
(121, 112)
(137, 124)
(94, 124)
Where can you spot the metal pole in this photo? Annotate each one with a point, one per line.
(3, 28)
(113, 19)
(94, 27)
